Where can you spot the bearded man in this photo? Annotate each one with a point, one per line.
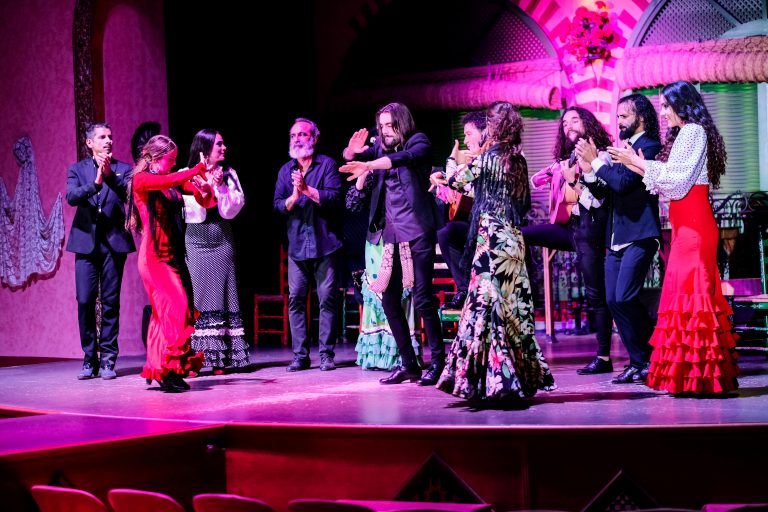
(308, 193)
(403, 214)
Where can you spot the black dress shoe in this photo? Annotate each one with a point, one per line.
(628, 376)
(642, 376)
(457, 302)
(596, 365)
(401, 374)
(433, 374)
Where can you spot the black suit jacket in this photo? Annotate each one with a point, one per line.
(634, 210)
(83, 194)
(413, 166)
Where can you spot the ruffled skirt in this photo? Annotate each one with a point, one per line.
(693, 342)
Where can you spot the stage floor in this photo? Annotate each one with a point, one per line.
(267, 394)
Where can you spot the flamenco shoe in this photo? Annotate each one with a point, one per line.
(219, 371)
(173, 383)
(179, 381)
(192, 375)
(401, 374)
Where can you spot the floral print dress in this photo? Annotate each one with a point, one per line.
(495, 354)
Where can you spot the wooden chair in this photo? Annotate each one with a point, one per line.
(133, 500)
(270, 312)
(751, 309)
(64, 499)
(228, 503)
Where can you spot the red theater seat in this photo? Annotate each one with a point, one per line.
(132, 500)
(228, 503)
(310, 505)
(63, 499)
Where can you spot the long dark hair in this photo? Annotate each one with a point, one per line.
(688, 104)
(402, 120)
(202, 142)
(502, 186)
(592, 128)
(141, 135)
(643, 108)
(505, 127)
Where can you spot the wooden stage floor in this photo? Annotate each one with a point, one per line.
(267, 394)
(252, 430)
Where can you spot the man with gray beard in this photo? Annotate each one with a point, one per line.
(308, 193)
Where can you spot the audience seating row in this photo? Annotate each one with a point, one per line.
(64, 499)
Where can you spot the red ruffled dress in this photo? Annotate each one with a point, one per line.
(172, 322)
(693, 343)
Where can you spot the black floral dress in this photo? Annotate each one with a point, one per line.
(495, 354)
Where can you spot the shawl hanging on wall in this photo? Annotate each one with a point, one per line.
(30, 246)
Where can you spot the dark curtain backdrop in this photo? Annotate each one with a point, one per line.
(211, 48)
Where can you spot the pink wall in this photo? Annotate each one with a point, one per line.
(38, 100)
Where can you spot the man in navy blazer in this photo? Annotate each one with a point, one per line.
(633, 231)
(402, 211)
(97, 186)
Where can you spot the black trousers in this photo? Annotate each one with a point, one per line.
(625, 272)
(105, 266)
(584, 234)
(452, 239)
(424, 301)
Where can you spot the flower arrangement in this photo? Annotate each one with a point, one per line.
(592, 34)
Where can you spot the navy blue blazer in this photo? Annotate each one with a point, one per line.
(634, 211)
(83, 194)
(413, 165)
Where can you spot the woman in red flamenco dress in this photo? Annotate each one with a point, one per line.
(154, 210)
(693, 343)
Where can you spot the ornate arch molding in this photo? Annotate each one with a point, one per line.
(88, 58)
(716, 60)
(532, 83)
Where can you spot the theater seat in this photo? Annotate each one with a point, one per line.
(64, 499)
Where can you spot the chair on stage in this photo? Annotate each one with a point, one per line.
(270, 312)
(750, 301)
(64, 499)
(228, 503)
(133, 500)
(313, 505)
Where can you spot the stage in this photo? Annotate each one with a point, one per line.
(278, 436)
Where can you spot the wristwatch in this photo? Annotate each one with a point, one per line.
(573, 185)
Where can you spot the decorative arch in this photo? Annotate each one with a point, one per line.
(656, 55)
(88, 58)
(531, 78)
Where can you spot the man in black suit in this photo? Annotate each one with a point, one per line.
(633, 228)
(402, 212)
(97, 186)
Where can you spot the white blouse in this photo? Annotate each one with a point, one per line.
(685, 167)
(229, 196)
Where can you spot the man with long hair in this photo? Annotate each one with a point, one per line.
(403, 213)
(633, 230)
(578, 221)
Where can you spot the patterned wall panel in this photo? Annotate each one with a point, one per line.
(510, 40)
(683, 20)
